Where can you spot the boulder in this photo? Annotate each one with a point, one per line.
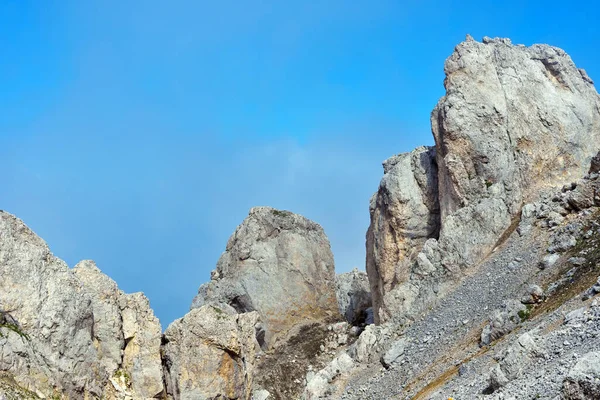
(586, 194)
(394, 353)
(533, 295)
(370, 344)
(514, 361)
(549, 260)
(210, 354)
(514, 120)
(583, 380)
(503, 321)
(278, 264)
(318, 385)
(353, 295)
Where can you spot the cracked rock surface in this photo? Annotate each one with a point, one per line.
(515, 121)
(279, 264)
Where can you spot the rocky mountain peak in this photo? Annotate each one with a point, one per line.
(515, 121)
(279, 264)
(483, 257)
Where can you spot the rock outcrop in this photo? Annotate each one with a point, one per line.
(210, 354)
(49, 304)
(278, 264)
(72, 332)
(80, 332)
(505, 206)
(404, 214)
(583, 380)
(515, 120)
(126, 333)
(503, 321)
(354, 296)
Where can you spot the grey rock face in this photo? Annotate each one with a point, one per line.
(141, 356)
(279, 264)
(517, 117)
(126, 332)
(47, 301)
(82, 329)
(108, 325)
(583, 380)
(353, 295)
(404, 214)
(210, 354)
(514, 120)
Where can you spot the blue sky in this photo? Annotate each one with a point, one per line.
(139, 133)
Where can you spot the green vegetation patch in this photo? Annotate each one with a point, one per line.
(282, 213)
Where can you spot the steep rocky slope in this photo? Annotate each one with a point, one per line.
(515, 120)
(545, 339)
(483, 260)
(484, 293)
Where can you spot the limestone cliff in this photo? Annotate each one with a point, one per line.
(492, 233)
(81, 334)
(72, 334)
(210, 354)
(278, 264)
(514, 121)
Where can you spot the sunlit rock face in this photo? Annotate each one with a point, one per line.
(82, 332)
(278, 264)
(514, 121)
(210, 354)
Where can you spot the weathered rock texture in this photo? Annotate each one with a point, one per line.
(210, 354)
(49, 304)
(354, 296)
(583, 380)
(514, 120)
(503, 321)
(404, 214)
(81, 329)
(126, 333)
(595, 165)
(279, 264)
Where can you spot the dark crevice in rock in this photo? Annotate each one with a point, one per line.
(552, 68)
(166, 368)
(242, 304)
